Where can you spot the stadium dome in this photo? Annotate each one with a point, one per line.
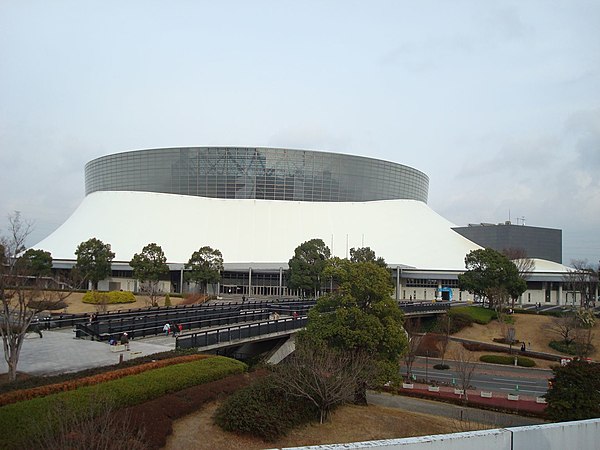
(256, 205)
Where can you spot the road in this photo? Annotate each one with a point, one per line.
(462, 414)
(488, 377)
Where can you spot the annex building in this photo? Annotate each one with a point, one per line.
(534, 242)
(256, 205)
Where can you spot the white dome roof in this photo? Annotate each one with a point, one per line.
(404, 232)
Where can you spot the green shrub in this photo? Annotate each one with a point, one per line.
(553, 313)
(507, 360)
(574, 392)
(477, 314)
(264, 410)
(572, 348)
(109, 298)
(458, 321)
(167, 300)
(17, 419)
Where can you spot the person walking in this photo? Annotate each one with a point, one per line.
(125, 341)
(167, 328)
(35, 327)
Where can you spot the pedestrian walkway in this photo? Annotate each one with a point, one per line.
(59, 352)
(457, 412)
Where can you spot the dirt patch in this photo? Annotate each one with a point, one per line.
(76, 306)
(349, 423)
(535, 330)
(156, 416)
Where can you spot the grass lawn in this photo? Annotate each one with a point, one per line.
(477, 314)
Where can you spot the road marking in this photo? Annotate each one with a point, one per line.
(523, 390)
(520, 381)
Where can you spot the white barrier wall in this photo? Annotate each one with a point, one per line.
(582, 434)
(498, 439)
(578, 435)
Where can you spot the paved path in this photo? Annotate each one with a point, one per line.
(451, 411)
(59, 352)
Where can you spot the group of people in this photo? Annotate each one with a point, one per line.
(174, 329)
(123, 340)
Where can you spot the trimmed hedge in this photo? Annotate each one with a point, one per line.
(570, 349)
(17, 419)
(507, 360)
(109, 298)
(552, 313)
(36, 381)
(28, 394)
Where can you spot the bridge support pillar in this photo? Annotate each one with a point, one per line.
(280, 281)
(398, 283)
(249, 281)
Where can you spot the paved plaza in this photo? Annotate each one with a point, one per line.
(59, 352)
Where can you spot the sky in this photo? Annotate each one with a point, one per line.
(498, 102)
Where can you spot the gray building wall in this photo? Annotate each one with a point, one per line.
(256, 173)
(543, 243)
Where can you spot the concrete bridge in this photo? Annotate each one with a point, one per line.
(238, 335)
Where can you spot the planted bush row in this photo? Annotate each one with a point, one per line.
(572, 348)
(40, 391)
(552, 313)
(109, 298)
(35, 381)
(17, 419)
(507, 360)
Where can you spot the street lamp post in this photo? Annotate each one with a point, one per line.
(426, 365)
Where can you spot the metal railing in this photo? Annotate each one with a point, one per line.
(239, 333)
(150, 322)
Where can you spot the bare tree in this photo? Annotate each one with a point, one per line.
(583, 334)
(325, 376)
(152, 291)
(505, 320)
(101, 304)
(524, 264)
(414, 340)
(464, 365)
(576, 331)
(443, 338)
(583, 279)
(98, 426)
(23, 291)
(565, 327)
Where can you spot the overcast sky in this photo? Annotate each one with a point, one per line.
(497, 101)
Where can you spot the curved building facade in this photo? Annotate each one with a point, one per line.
(256, 173)
(257, 205)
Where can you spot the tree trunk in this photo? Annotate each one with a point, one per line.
(12, 347)
(12, 368)
(360, 394)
